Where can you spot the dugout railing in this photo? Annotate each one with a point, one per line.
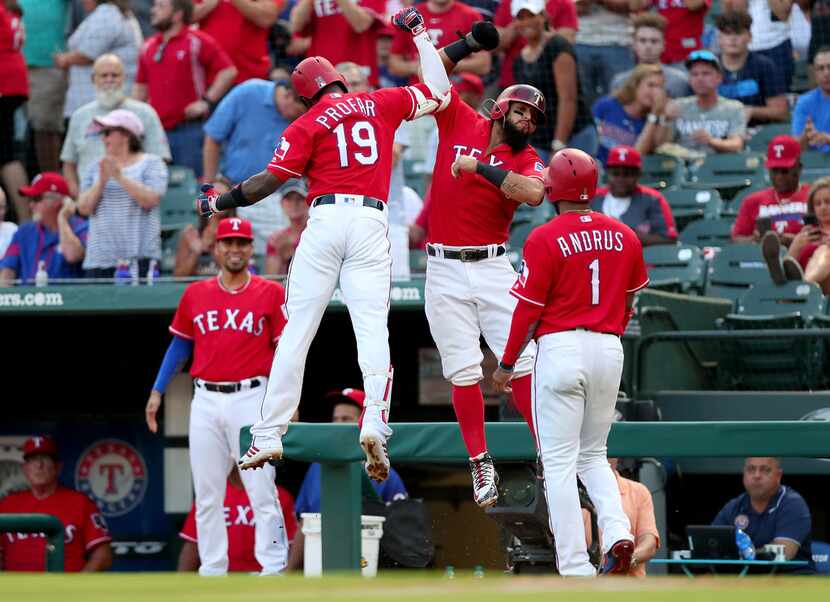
(47, 524)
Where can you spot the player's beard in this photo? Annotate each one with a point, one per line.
(515, 138)
(110, 99)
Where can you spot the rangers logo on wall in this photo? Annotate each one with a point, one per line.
(113, 474)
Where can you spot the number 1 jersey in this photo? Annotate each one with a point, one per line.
(343, 144)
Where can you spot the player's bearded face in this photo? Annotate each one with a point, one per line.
(518, 126)
(234, 254)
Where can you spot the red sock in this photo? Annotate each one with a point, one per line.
(468, 403)
(523, 400)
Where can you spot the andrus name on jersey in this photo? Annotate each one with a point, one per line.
(461, 149)
(211, 321)
(346, 107)
(586, 241)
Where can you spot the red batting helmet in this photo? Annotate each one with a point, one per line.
(519, 93)
(571, 176)
(313, 74)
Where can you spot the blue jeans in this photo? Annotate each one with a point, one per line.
(186, 145)
(597, 65)
(586, 139)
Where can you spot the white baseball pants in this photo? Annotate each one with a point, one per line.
(215, 423)
(344, 241)
(575, 384)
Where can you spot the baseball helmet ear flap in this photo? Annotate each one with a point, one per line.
(571, 176)
(519, 93)
(313, 74)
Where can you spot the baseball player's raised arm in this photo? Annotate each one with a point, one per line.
(482, 36)
(433, 74)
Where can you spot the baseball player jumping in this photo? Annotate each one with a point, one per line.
(484, 170)
(575, 295)
(343, 144)
(231, 325)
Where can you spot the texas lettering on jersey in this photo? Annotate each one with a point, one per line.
(228, 319)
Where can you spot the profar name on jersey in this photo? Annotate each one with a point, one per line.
(344, 108)
(586, 241)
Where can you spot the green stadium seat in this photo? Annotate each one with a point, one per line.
(731, 208)
(413, 173)
(675, 268)
(662, 171)
(766, 298)
(708, 233)
(814, 165)
(728, 172)
(801, 78)
(734, 269)
(689, 204)
(758, 143)
(177, 205)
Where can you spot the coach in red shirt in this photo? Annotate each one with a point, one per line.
(241, 28)
(783, 204)
(182, 73)
(86, 540)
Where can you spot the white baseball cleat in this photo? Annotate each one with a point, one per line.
(485, 480)
(377, 458)
(262, 451)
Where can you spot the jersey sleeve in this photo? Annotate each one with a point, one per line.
(288, 513)
(795, 524)
(392, 488)
(536, 272)
(531, 166)
(95, 527)
(188, 532)
(747, 214)
(639, 274)
(278, 313)
(293, 151)
(182, 324)
(406, 103)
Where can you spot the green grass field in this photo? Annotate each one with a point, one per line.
(430, 588)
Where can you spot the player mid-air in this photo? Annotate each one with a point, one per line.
(343, 145)
(575, 295)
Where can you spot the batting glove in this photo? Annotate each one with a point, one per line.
(206, 201)
(409, 19)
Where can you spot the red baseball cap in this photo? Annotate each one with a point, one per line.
(40, 445)
(355, 396)
(468, 82)
(235, 227)
(783, 151)
(624, 156)
(48, 181)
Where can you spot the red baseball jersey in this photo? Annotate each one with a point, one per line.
(442, 27)
(84, 526)
(343, 144)
(579, 267)
(234, 333)
(333, 38)
(186, 63)
(683, 30)
(245, 42)
(786, 213)
(469, 210)
(239, 519)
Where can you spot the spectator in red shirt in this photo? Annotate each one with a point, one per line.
(87, 540)
(780, 208)
(684, 27)
(239, 519)
(442, 18)
(341, 30)
(174, 70)
(241, 28)
(562, 20)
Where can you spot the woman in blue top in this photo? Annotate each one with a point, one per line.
(630, 115)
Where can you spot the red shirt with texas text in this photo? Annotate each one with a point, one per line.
(239, 520)
(234, 333)
(442, 27)
(84, 528)
(469, 210)
(343, 144)
(785, 212)
(579, 267)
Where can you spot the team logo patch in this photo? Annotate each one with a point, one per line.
(113, 474)
(524, 273)
(742, 521)
(538, 166)
(282, 149)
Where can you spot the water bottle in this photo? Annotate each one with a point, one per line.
(744, 543)
(152, 272)
(478, 571)
(450, 572)
(41, 277)
(122, 272)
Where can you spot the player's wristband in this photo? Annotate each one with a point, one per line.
(494, 175)
(507, 367)
(458, 51)
(232, 199)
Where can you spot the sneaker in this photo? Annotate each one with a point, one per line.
(485, 480)
(262, 451)
(771, 250)
(618, 559)
(792, 269)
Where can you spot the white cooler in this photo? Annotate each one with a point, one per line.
(371, 532)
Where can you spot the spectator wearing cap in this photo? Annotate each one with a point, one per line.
(811, 116)
(347, 405)
(283, 243)
(83, 145)
(705, 122)
(684, 27)
(56, 239)
(121, 195)
(182, 73)
(782, 206)
(87, 541)
(241, 28)
(749, 77)
(194, 253)
(639, 207)
(7, 229)
(648, 44)
(562, 21)
(769, 512)
(630, 115)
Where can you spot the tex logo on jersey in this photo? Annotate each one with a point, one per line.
(113, 474)
(282, 149)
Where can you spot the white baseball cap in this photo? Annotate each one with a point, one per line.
(534, 6)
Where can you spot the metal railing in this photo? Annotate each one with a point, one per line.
(50, 525)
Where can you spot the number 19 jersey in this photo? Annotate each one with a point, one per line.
(343, 144)
(580, 267)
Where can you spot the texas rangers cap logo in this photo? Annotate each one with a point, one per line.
(778, 149)
(113, 473)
